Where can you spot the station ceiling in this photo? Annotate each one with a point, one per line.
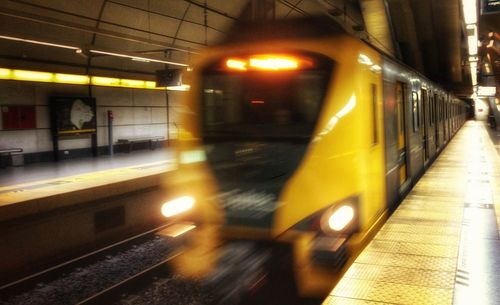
(176, 31)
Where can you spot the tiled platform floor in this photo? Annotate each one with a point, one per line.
(441, 246)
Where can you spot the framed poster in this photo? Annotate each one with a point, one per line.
(73, 115)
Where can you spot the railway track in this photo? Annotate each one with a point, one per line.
(134, 283)
(135, 271)
(123, 262)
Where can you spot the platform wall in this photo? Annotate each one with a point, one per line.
(137, 112)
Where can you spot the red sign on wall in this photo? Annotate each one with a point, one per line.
(18, 117)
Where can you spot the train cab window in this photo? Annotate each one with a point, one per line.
(415, 111)
(241, 102)
(374, 111)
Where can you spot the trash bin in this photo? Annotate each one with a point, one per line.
(17, 159)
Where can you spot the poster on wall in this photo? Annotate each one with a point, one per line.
(73, 115)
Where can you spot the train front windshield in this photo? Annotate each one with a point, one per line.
(258, 116)
(265, 103)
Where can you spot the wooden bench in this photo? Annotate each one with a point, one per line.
(7, 152)
(129, 142)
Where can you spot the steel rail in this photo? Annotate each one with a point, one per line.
(36, 277)
(112, 293)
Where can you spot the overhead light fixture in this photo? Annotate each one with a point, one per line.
(470, 11)
(137, 58)
(50, 44)
(71, 79)
(486, 91)
(141, 59)
(33, 75)
(469, 8)
(79, 50)
(473, 73)
(472, 42)
(79, 79)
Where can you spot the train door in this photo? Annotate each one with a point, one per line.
(425, 138)
(401, 123)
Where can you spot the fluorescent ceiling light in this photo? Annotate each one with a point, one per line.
(71, 79)
(40, 42)
(472, 42)
(79, 50)
(33, 75)
(486, 90)
(470, 11)
(138, 58)
(78, 79)
(473, 73)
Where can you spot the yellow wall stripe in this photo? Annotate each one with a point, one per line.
(78, 79)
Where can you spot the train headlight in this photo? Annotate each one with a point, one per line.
(341, 218)
(177, 206)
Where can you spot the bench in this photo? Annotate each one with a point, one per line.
(129, 142)
(7, 152)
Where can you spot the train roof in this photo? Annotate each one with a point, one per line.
(300, 28)
(304, 27)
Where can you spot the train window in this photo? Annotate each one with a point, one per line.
(374, 111)
(415, 111)
(425, 108)
(400, 94)
(440, 109)
(434, 100)
(431, 111)
(263, 105)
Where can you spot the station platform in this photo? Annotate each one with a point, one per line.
(441, 246)
(42, 187)
(51, 212)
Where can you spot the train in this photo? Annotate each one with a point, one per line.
(301, 139)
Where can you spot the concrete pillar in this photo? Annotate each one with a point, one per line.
(377, 24)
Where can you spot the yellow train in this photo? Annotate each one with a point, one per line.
(297, 135)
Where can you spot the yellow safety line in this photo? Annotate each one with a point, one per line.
(413, 259)
(12, 194)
